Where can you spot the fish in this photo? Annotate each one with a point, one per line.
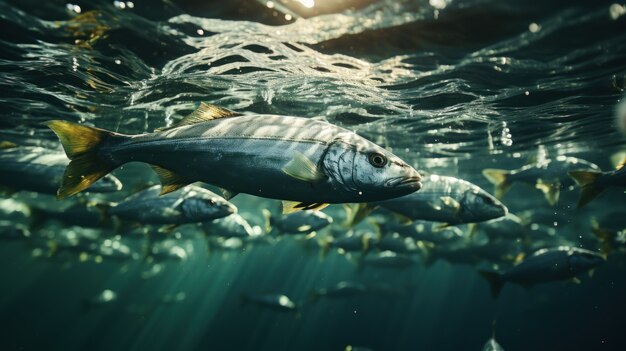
(82, 214)
(35, 169)
(352, 241)
(277, 302)
(545, 265)
(13, 231)
(169, 250)
(492, 344)
(420, 231)
(192, 204)
(509, 226)
(341, 290)
(549, 176)
(305, 163)
(357, 348)
(388, 260)
(592, 182)
(103, 298)
(396, 243)
(448, 200)
(233, 226)
(301, 222)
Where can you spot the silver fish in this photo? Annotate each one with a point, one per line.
(276, 302)
(389, 260)
(508, 227)
(421, 231)
(301, 222)
(492, 345)
(233, 226)
(41, 170)
(546, 265)
(549, 176)
(449, 200)
(343, 289)
(192, 204)
(305, 162)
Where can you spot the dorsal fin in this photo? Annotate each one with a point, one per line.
(204, 112)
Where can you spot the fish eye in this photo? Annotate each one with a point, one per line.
(377, 160)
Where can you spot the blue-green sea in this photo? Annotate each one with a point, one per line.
(452, 87)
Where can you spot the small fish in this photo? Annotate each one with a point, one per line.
(41, 170)
(396, 243)
(225, 244)
(304, 162)
(105, 297)
(277, 302)
(192, 204)
(169, 250)
(388, 260)
(13, 231)
(593, 182)
(357, 348)
(421, 231)
(233, 226)
(353, 241)
(508, 227)
(301, 222)
(549, 176)
(83, 214)
(546, 265)
(447, 199)
(492, 344)
(343, 289)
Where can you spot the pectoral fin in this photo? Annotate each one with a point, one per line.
(302, 168)
(170, 181)
(294, 206)
(452, 203)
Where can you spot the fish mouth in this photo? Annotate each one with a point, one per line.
(405, 182)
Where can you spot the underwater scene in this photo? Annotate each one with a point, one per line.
(349, 175)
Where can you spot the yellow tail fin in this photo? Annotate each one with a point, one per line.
(588, 186)
(499, 178)
(80, 144)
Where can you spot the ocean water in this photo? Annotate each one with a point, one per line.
(450, 86)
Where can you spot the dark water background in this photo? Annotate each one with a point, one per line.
(470, 85)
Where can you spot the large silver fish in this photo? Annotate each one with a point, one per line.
(305, 162)
(40, 170)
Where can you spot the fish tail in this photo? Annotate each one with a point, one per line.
(605, 237)
(495, 282)
(589, 188)
(81, 144)
(500, 179)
